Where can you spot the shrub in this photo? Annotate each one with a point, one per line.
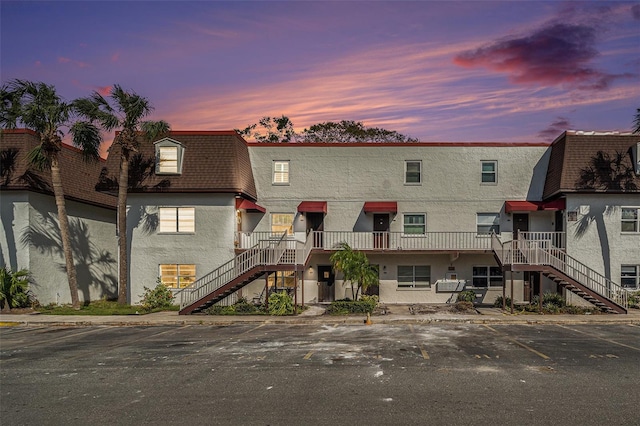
(466, 296)
(280, 304)
(241, 307)
(553, 299)
(634, 299)
(13, 288)
(498, 302)
(365, 305)
(160, 297)
(463, 306)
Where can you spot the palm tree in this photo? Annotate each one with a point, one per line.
(11, 284)
(37, 106)
(124, 110)
(355, 268)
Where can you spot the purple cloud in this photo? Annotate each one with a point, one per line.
(552, 55)
(554, 129)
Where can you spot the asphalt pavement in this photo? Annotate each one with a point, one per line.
(315, 314)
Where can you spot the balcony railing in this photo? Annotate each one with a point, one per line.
(387, 241)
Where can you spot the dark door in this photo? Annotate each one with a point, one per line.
(520, 223)
(326, 279)
(381, 231)
(315, 222)
(374, 290)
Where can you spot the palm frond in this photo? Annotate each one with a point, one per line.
(87, 137)
(151, 130)
(38, 158)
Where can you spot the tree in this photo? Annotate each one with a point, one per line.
(37, 106)
(124, 110)
(270, 129)
(355, 268)
(349, 132)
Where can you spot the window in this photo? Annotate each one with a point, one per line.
(177, 219)
(489, 172)
(280, 172)
(415, 224)
(487, 223)
(281, 222)
(177, 276)
(169, 155)
(281, 280)
(418, 276)
(630, 219)
(487, 276)
(413, 172)
(630, 276)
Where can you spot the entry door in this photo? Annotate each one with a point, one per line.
(326, 279)
(315, 222)
(520, 223)
(381, 231)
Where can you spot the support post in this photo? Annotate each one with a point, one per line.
(511, 275)
(504, 291)
(295, 290)
(540, 292)
(266, 291)
(303, 286)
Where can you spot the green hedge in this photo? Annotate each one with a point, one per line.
(365, 305)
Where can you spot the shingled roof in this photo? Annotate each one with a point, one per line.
(582, 162)
(213, 162)
(78, 176)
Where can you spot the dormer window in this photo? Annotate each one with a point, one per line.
(169, 154)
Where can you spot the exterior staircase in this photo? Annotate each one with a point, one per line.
(537, 252)
(223, 282)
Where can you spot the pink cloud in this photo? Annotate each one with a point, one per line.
(115, 57)
(104, 90)
(79, 64)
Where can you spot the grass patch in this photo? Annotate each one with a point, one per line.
(99, 307)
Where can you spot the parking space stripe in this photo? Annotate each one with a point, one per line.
(522, 345)
(424, 353)
(308, 355)
(600, 338)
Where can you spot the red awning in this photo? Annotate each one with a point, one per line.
(313, 207)
(559, 204)
(520, 206)
(381, 207)
(250, 206)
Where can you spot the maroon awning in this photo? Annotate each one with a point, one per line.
(520, 206)
(313, 207)
(381, 207)
(559, 204)
(249, 206)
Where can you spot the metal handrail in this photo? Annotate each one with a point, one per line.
(544, 252)
(265, 252)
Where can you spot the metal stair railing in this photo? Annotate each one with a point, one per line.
(544, 252)
(266, 252)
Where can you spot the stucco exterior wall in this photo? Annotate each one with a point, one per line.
(210, 246)
(30, 239)
(595, 239)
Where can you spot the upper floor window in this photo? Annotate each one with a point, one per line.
(415, 224)
(414, 276)
(177, 275)
(169, 154)
(281, 222)
(281, 172)
(177, 219)
(489, 172)
(486, 223)
(413, 172)
(630, 219)
(630, 276)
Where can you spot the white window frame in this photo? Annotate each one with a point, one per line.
(279, 232)
(495, 226)
(404, 224)
(406, 172)
(635, 222)
(632, 273)
(486, 275)
(414, 284)
(281, 175)
(174, 214)
(165, 144)
(180, 280)
(493, 173)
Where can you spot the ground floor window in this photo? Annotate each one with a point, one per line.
(177, 275)
(630, 276)
(414, 276)
(281, 280)
(487, 276)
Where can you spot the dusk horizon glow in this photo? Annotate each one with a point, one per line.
(435, 71)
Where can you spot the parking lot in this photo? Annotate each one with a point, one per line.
(321, 374)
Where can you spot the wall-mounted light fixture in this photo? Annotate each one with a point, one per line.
(310, 270)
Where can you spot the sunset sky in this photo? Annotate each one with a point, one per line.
(436, 71)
